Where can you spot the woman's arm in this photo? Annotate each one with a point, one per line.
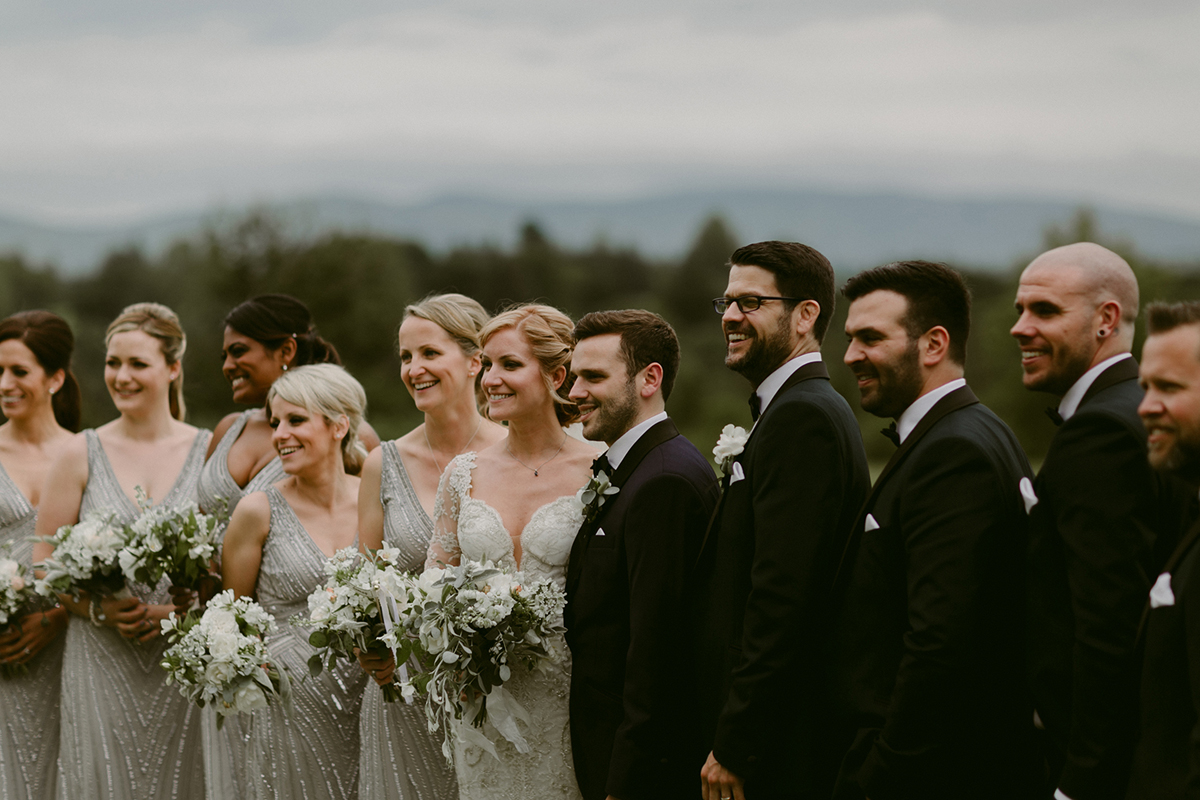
(62, 495)
(370, 507)
(241, 553)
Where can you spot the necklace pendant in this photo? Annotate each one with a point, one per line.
(535, 473)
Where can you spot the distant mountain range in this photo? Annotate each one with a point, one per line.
(854, 230)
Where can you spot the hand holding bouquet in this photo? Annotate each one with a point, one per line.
(17, 598)
(220, 657)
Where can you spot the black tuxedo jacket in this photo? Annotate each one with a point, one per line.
(927, 656)
(633, 719)
(771, 553)
(1166, 763)
(1102, 528)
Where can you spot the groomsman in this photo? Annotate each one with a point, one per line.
(1166, 763)
(789, 499)
(1094, 531)
(630, 574)
(927, 656)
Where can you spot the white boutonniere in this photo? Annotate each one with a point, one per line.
(730, 445)
(595, 493)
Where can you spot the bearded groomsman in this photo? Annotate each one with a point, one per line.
(630, 574)
(789, 499)
(1166, 763)
(1100, 511)
(926, 662)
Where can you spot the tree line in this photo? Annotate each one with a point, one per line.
(358, 284)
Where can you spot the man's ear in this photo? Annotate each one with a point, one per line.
(804, 316)
(649, 380)
(934, 346)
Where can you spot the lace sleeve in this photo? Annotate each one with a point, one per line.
(455, 484)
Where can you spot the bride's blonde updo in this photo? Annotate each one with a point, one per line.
(332, 392)
(550, 335)
(155, 319)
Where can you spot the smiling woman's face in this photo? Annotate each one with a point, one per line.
(249, 367)
(137, 373)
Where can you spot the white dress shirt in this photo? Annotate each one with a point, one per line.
(621, 447)
(770, 387)
(1074, 396)
(920, 407)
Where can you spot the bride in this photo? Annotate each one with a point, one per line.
(514, 504)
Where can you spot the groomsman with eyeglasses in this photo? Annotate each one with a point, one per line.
(1103, 521)
(789, 498)
(926, 668)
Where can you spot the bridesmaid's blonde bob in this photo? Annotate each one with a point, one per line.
(155, 319)
(551, 336)
(332, 392)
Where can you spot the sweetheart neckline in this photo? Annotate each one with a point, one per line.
(532, 518)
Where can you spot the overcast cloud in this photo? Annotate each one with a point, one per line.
(123, 109)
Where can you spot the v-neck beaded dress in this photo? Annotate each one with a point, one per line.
(311, 754)
(28, 703)
(401, 759)
(126, 734)
(218, 493)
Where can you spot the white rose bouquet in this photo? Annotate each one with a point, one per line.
(177, 542)
(220, 656)
(17, 597)
(86, 558)
(475, 625)
(346, 611)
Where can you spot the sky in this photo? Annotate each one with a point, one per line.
(127, 109)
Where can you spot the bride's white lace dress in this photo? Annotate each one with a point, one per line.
(471, 529)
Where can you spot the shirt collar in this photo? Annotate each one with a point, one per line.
(770, 387)
(1074, 396)
(621, 447)
(921, 406)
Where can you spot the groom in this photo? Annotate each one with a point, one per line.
(629, 575)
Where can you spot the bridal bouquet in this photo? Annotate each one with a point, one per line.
(177, 542)
(346, 611)
(86, 558)
(475, 625)
(220, 657)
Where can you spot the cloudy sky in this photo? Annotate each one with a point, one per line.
(126, 108)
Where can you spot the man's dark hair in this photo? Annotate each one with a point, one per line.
(799, 270)
(936, 295)
(646, 338)
(1163, 317)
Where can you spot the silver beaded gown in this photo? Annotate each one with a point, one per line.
(401, 759)
(28, 703)
(218, 493)
(126, 734)
(313, 753)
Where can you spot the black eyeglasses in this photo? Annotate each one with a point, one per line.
(747, 303)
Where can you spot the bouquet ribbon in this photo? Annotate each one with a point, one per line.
(503, 711)
(389, 614)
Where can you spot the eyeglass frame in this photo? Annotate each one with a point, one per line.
(737, 301)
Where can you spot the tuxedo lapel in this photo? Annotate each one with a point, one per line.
(659, 433)
(1180, 551)
(1124, 370)
(959, 398)
(814, 369)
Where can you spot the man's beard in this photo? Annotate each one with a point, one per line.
(614, 417)
(1063, 374)
(1181, 458)
(897, 384)
(765, 354)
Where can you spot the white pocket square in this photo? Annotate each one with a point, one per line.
(870, 524)
(1160, 593)
(600, 531)
(1028, 495)
(738, 474)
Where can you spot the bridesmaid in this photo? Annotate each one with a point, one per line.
(125, 733)
(40, 399)
(264, 337)
(439, 362)
(276, 548)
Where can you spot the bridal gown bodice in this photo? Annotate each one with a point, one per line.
(401, 759)
(28, 703)
(473, 530)
(126, 734)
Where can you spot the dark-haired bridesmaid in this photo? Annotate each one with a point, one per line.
(40, 401)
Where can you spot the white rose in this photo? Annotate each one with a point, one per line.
(730, 443)
(219, 673)
(249, 697)
(223, 645)
(219, 620)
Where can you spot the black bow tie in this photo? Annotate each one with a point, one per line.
(1054, 416)
(755, 406)
(892, 434)
(600, 464)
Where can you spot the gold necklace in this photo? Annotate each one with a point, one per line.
(544, 463)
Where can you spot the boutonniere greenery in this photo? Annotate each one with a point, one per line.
(594, 495)
(730, 445)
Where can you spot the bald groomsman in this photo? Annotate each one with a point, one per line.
(1097, 519)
